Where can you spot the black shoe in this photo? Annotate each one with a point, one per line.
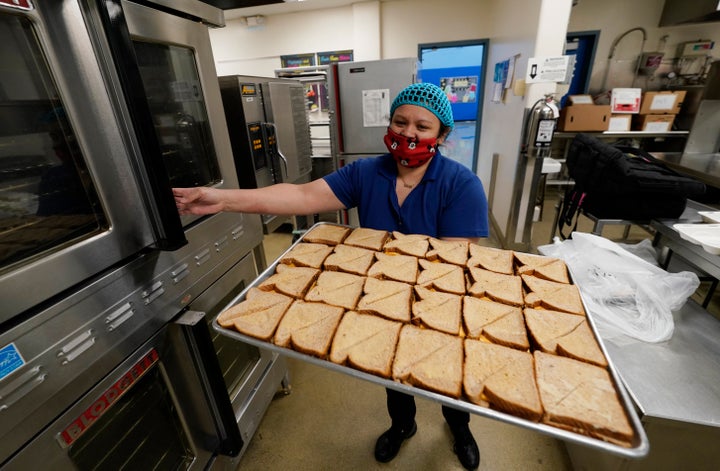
(388, 444)
(466, 449)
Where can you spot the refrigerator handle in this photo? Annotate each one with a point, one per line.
(279, 152)
(167, 225)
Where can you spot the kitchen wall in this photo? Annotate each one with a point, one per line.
(603, 15)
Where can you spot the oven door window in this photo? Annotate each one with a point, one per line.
(172, 86)
(142, 430)
(47, 197)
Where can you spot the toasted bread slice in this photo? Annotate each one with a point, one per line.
(408, 244)
(328, 234)
(489, 258)
(503, 377)
(553, 295)
(337, 289)
(290, 280)
(371, 239)
(581, 397)
(430, 360)
(306, 254)
(442, 277)
(308, 327)
(506, 289)
(500, 323)
(258, 315)
(547, 268)
(449, 251)
(386, 298)
(436, 310)
(395, 267)
(564, 334)
(350, 259)
(365, 342)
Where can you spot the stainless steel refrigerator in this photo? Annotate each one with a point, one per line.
(364, 92)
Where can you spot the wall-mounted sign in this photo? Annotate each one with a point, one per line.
(333, 57)
(298, 60)
(547, 69)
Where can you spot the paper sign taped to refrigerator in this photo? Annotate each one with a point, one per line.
(376, 107)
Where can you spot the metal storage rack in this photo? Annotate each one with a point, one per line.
(320, 117)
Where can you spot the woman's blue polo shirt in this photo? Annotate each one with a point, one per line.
(448, 202)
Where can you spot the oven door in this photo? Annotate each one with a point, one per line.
(164, 69)
(252, 376)
(159, 409)
(290, 130)
(70, 203)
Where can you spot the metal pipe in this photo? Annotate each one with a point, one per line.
(612, 52)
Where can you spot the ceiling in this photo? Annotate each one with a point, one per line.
(239, 8)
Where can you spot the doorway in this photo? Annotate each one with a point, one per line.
(582, 46)
(458, 67)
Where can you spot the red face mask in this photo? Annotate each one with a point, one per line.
(408, 151)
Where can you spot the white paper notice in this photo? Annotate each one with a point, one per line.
(376, 108)
(659, 126)
(664, 101)
(619, 123)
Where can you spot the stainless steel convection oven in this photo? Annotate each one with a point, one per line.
(105, 352)
(269, 122)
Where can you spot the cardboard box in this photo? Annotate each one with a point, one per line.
(654, 122)
(584, 118)
(625, 100)
(620, 122)
(665, 102)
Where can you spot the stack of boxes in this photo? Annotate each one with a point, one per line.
(658, 111)
(629, 109)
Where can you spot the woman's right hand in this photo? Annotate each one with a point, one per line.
(199, 201)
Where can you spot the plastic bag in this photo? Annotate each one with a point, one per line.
(624, 293)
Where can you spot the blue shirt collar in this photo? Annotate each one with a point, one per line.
(388, 169)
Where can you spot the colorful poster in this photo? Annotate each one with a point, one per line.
(333, 57)
(297, 60)
(460, 89)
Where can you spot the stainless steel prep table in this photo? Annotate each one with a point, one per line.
(676, 387)
(666, 236)
(638, 449)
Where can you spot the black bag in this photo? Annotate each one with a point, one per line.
(616, 182)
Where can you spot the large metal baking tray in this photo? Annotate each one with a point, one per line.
(638, 449)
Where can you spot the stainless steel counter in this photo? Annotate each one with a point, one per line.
(679, 379)
(704, 167)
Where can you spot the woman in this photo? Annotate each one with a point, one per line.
(413, 189)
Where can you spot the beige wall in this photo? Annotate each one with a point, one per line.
(591, 15)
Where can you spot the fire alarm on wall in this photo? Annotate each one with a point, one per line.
(649, 62)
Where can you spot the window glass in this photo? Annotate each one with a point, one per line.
(47, 198)
(172, 85)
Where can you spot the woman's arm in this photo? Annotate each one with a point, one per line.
(281, 199)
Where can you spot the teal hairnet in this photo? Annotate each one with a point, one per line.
(430, 97)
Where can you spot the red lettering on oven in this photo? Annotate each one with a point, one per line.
(73, 431)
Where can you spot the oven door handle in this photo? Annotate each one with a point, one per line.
(197, 335)
(167, 225)
(279, 152)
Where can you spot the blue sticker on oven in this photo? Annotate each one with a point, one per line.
(10, 360)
